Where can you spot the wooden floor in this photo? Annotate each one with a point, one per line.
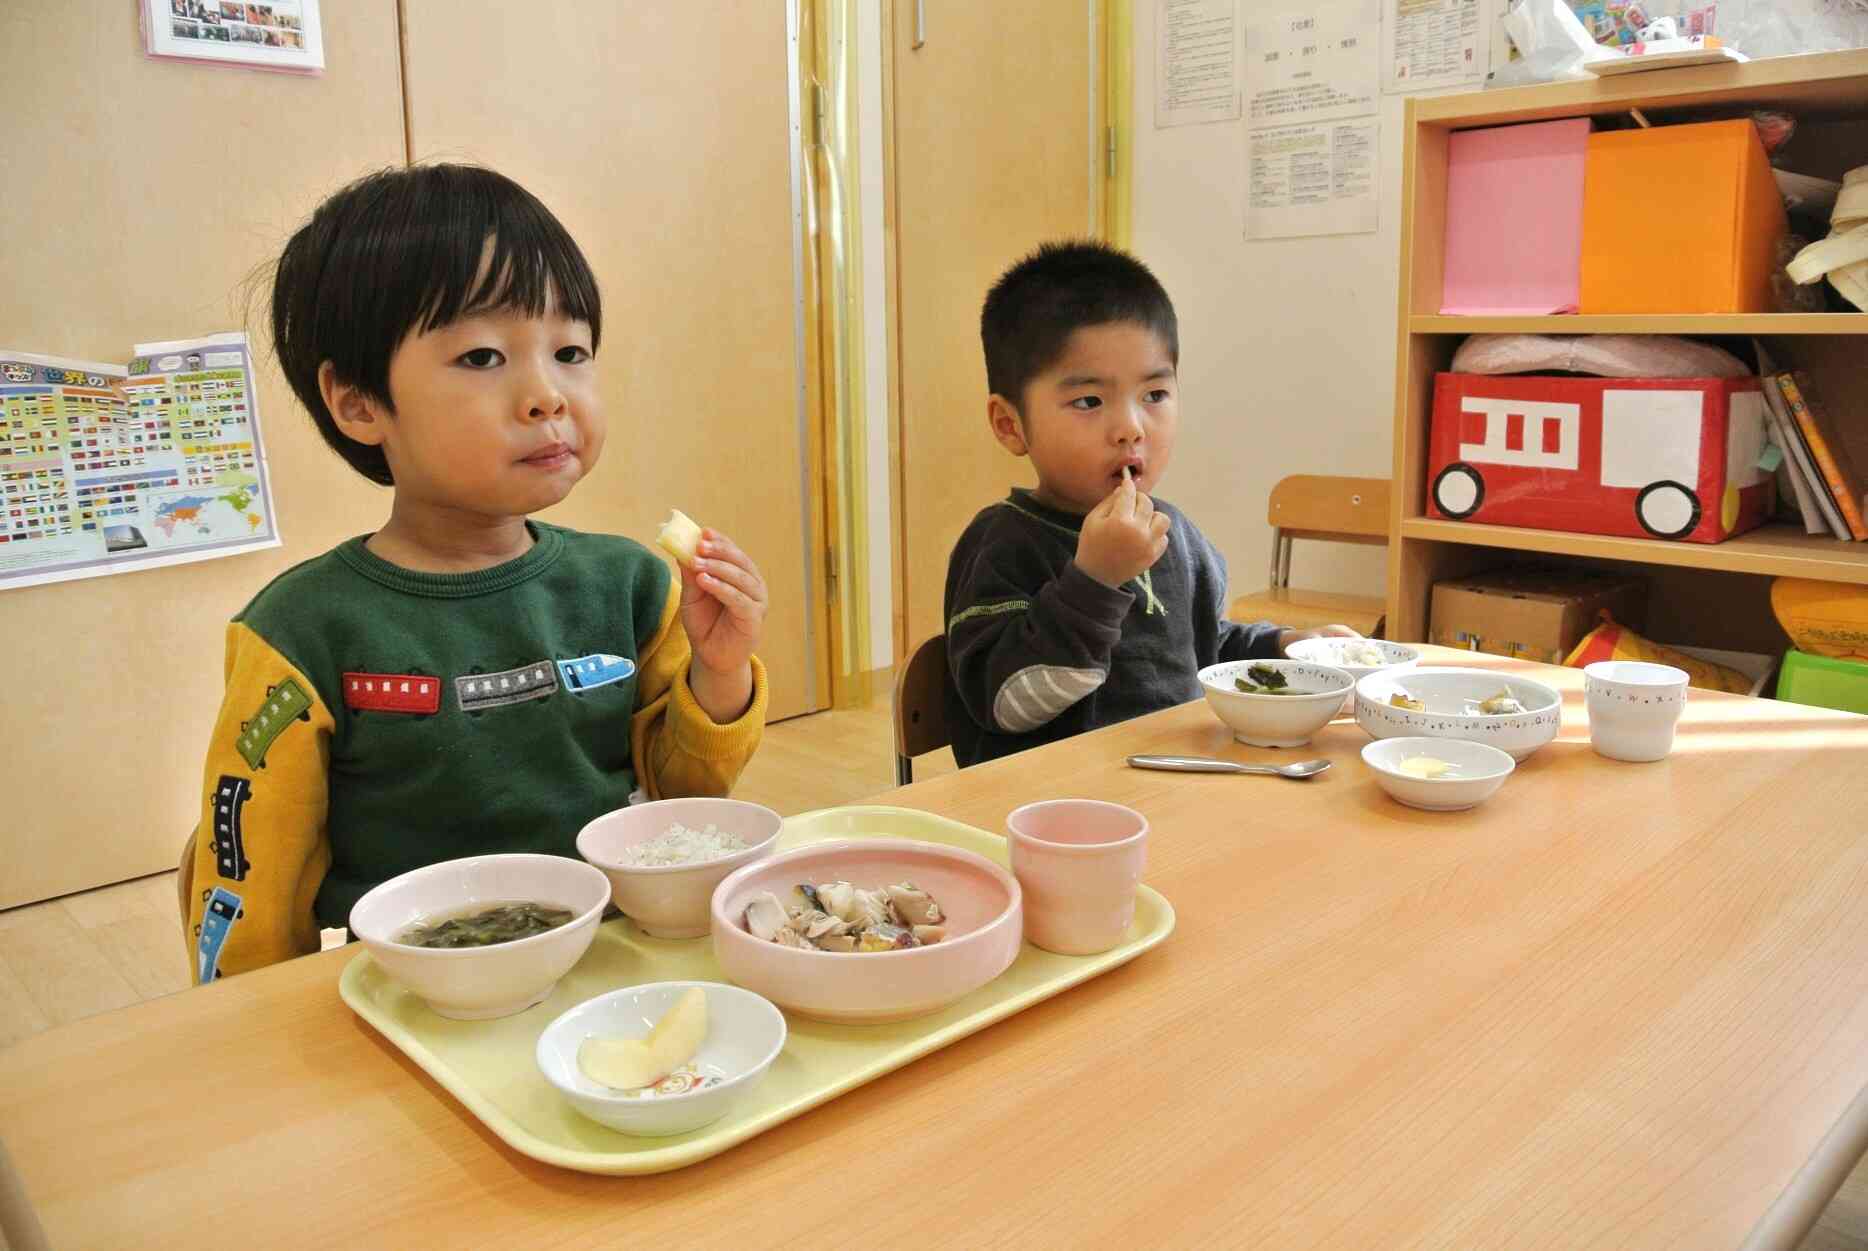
(72, 957)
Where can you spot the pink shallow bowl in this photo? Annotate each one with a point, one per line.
(985, 926)
(670, 901)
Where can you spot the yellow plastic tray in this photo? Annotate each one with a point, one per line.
(489, 1066)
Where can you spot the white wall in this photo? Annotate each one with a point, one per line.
(1287, 346)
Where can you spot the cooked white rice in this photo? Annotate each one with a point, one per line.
(680, 845)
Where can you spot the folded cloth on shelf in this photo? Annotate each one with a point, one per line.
(1605, 355)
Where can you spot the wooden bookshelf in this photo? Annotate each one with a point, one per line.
(1829, 94)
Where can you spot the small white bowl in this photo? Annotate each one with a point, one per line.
(1329, 651)
(476, 983)
(1276, 720)
(1478, 771)
(670, 901)
(745, 1033)
(1448, 694)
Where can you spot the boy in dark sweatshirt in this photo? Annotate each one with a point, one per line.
(1086, 601)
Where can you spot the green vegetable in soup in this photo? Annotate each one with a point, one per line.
(483, 926)
(1263, 680)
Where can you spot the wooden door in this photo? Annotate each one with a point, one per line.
(144, 200)
(662, 136)
(993, 121)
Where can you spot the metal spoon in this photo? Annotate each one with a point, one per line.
(1205, 764)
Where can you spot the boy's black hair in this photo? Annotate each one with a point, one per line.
(1036, 306)
(400, 252)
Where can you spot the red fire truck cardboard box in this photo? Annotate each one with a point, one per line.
(1659, 458)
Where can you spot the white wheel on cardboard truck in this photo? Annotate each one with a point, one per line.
(1667, 510)
(1459, 490)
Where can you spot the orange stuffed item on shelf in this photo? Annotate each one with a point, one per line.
(1823, 618)
(1610, 641)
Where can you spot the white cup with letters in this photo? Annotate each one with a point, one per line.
(1633, 708)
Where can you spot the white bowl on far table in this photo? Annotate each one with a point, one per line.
(1450, 696)
(1276, 720)
(477, 983)
(1331, 651)
(1476, 773)
(670, 901)
(745, 1033)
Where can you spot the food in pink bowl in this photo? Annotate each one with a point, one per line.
(902, 963)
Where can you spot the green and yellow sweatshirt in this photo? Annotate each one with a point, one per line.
(378, 719)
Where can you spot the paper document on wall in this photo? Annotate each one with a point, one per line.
(105, 469)
(1312, 180)
(1312, 86)
(1434, 44)
(1196, 62)
(1312, 64)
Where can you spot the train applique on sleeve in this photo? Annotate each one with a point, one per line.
(217, 922)
(284, 703)
(601, 669)
(230, 797)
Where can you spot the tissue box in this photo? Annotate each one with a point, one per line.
(1679, 219)
(1514, 219)
(1663, 458)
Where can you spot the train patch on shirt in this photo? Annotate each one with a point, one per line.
(599, 669)
(217, 922)
(230, 796)
(284, 702)
(490, 690)
(416, 693)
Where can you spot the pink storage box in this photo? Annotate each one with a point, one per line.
(1514, 219)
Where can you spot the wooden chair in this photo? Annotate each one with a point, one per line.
(921, 707)
(1331, 510)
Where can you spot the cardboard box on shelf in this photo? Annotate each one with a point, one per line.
(1506, 185)
(1711, 184)
(1530, 614)
(1644, 458)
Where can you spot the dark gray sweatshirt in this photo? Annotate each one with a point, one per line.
(1038, 650)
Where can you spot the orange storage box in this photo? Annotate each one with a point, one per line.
(1679, 219)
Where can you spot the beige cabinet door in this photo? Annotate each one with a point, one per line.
(661, 135)
(143, 202)
(993, 154)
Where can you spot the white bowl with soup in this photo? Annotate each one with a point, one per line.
(1275, 703)
(522, 921)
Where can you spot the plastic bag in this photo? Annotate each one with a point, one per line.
(1551, 44)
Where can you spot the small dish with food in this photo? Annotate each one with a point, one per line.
(1438, 774)
(663, 859)
(662, 1058)
(862, 931)
(1275, 703)
(1356, 657)
(485, 936)
(1515, 714)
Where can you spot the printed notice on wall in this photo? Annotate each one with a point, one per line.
(1315, 64)
(1196, 62)
(1311, 180)
(1434, 45)
(105, 469)
(1312, 86)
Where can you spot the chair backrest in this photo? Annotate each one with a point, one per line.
(921, 701)
(1338, 510)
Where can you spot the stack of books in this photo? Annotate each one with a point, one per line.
(1830, 491)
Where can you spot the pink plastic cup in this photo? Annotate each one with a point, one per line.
(1078, 862)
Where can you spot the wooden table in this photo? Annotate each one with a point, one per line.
(1618, 1005)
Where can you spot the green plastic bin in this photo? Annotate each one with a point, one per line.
(1824, 682)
